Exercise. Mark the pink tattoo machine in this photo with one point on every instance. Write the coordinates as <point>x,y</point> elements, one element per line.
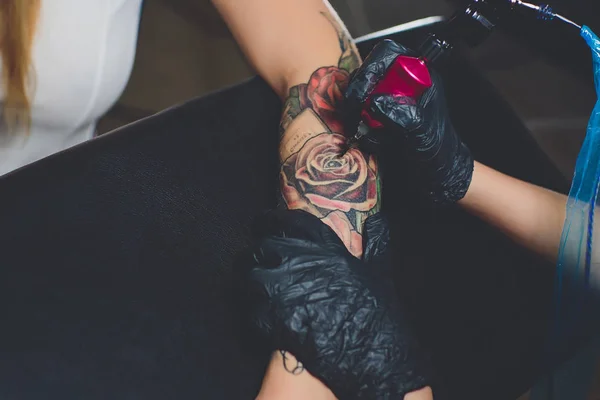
<point>409,76</point>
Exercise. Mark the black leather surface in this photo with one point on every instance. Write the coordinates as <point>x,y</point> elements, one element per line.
<point>115,258</point>
<point>116,254</point>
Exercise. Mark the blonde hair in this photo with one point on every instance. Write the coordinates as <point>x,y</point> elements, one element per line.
<point>18,19</point>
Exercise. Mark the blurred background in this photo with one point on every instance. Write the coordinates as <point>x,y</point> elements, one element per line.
<point>186,51</point>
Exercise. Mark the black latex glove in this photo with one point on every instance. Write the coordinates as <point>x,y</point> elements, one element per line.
<point>419,130</point>
<point>336,314</point>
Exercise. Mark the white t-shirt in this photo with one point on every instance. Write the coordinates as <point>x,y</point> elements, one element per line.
<point>82,57</point>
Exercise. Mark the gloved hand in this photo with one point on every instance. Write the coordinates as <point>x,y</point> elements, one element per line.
<point>419,129</point>
<point>335,313</point>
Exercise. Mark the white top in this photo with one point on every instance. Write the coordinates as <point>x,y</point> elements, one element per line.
<point>82,58</point>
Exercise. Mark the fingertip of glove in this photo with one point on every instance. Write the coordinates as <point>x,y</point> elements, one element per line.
<point>392,46</point>
<point>376,231</point>
<point>268,255</point>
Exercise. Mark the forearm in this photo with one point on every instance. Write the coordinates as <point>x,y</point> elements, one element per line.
<point>285,40</point>
<point>306,55</point>
<point>288,42</point>
<point>341,190</point>
<point>530,215</point>
<point>279,384</point>
<point>286,379</point>
<point>318,173</point>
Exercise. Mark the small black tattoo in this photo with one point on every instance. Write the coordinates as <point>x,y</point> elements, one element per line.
<point>297,370</point>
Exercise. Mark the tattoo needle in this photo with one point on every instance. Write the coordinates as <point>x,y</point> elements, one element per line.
<point>362,130</point>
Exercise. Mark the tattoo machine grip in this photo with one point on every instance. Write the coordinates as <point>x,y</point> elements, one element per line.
<point>406,77</point>
<point>409,76</point>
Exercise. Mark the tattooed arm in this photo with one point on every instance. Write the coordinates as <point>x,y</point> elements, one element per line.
<point>303,51</point>
<point>342,190</point>
<point>306,55</point>
<point>286,379</point>
<point>285,40</point>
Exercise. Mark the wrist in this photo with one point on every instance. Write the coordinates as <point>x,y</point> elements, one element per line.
<point>455,180</point>
<point>288,381</point>
<point>473,196</point>
<point>422,394</point>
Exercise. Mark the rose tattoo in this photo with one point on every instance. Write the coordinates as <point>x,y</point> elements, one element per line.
<point>341,190</point>
<point>324,93</point>
<point>320,181</point>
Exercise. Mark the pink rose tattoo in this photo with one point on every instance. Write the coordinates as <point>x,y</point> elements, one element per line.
<point>323,93</point>
<point>341,190</point>
<point>333,187</point>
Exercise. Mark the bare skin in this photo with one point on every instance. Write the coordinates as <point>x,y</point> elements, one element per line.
<point>530,215</point>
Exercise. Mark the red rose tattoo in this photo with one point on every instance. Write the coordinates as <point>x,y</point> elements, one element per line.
<point>325,93</point>
<point>333,187</point>
<point>341,190</point>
